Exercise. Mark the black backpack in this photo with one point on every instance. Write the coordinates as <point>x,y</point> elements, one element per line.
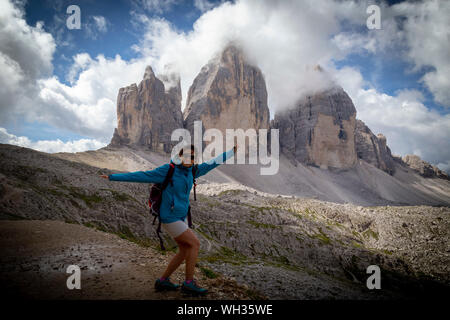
<point>155,198</point>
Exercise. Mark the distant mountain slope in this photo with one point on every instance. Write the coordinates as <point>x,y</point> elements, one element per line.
<point>364,184</point>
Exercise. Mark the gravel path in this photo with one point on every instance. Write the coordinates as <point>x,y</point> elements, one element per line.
<point>35,256</point>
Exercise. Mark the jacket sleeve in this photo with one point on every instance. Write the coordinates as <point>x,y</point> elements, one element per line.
<point>153,176</point>
<point>207,166</point>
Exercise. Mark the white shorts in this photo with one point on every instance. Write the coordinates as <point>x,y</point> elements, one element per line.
<point>174,229</point>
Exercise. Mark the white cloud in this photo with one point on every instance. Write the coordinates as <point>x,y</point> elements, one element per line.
<point>203,5</point>
<point>409,126</point>
<point>28,92</point>
<point>157,6</point>
<point>25,55</point>
<point>427,34</point>
<point>50,146</point>
<point>418,32</point>
<point>444,166</point>
<point>88,106</point>
<point>100,23</point>
<point>349,42</point>
<point>282,38</point>
<point>95,26</point>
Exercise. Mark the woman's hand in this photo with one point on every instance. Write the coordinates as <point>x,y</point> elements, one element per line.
<point>235,148</point>
<point>104,176</point>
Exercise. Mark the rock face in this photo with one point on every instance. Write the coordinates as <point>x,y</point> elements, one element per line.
<point>228,93</point>
<point>320,130</point>
<point>424,168</point>
<point>373,149</point>
<point>147,114</point>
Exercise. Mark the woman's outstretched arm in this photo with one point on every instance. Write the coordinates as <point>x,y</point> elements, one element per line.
<point>207,166</point>
<point>153,176</point>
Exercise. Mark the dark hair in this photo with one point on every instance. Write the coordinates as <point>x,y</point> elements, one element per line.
<point>192,150</point>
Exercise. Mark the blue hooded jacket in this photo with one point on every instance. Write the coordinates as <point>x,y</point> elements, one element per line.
<point>175,198</point>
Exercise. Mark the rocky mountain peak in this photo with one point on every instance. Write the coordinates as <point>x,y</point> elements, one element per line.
<point>147,114</point>
<point>149,74</point>
<point>424,168</point>
<point>319,130</point>
<point>373,149</point>
<point>228,93</point>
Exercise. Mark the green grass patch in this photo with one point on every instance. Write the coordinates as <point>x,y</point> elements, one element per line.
<point>126,234</point>
<point>279,261</point>
<point>25,173</point>
<point>262,225</point>
<point>201,230</point>
<point>119,196</point>
<point>89,199</point>
<point>12,216</point>
<point>256,209</point>
<point>356,234</point>
<point>356,244</point>
<point>370,233</point>
<point>226,255</point>
<point>208,273</point>
<point>229,192</point>
<point>56,192</point>
<point>324,239</point>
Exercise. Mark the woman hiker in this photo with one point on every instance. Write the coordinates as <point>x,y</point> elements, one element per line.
<point>173,212</point>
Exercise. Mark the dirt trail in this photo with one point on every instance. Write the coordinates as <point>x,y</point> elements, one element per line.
<point>35,256</point>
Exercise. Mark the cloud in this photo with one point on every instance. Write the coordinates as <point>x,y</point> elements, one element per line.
<point>100,23</point>
<point>444,166</point>
<point>50,146</point>
<point>29,92</point>
<point>95,26</point>
<point>203,5</point>
<point>417,32</point>
<point>156,6</point>
<point>283,38</point>
<point>88,105</point>
<point>427,34</point>
<point>25,55</point>
<point>409,126</point>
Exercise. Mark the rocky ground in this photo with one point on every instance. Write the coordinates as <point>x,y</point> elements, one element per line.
<point>35,256</point>
<point>290,247</point>
<point>284,247</point>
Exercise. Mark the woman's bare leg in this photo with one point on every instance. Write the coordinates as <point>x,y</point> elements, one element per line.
<point>176,260</point>
<point>190,240</point>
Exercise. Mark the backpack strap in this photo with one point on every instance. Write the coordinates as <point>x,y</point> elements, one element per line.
<point>168,176</point>
<point>194,172</point>
<point>163,186</point>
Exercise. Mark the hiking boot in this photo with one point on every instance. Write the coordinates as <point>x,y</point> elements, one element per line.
<point>192,288</point>
<point>165,285</point>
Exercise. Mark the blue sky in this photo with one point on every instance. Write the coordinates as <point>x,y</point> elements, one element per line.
<point>391,68</point>
<point>119,38</point>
